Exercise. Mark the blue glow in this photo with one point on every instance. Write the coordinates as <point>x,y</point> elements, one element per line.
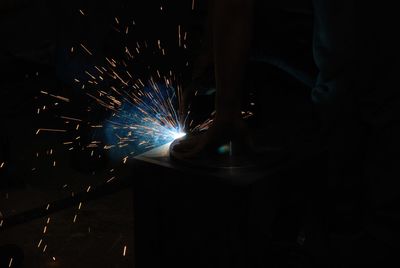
<point>145,120</point>
<point>224,149</point>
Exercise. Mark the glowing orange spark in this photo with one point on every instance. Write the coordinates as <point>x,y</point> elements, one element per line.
<point>49,130</point>
<point>87,50</point>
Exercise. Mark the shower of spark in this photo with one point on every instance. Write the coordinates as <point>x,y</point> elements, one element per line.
<point>144,111</point>
<point>145,119</point>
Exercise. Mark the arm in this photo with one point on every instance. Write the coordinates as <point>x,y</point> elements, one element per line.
<point>232,34</point>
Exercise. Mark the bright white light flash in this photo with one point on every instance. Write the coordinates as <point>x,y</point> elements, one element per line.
<point>178,135</point>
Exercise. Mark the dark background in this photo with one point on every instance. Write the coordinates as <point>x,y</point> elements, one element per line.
<point>35,54</point>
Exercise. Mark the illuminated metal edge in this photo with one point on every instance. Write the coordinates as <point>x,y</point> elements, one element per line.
<point>215,162</point>
<point>160,156</point>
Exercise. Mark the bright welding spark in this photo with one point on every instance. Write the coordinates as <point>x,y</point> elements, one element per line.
<point>144,112</point>
<point>87,50</point>
<point>110,179</point>
<point>71,118</point>
<point>49,130</point>
<point>54,96</point>
<point>179,135</point>
<point>179,36</point>
<point>146,117</point>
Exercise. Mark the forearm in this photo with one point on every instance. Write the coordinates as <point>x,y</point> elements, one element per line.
<point>232,38</point>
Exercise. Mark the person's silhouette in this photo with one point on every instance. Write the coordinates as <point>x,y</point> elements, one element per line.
<point>357,59</point>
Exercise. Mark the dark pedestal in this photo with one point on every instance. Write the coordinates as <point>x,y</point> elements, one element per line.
<point>195,218</point>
